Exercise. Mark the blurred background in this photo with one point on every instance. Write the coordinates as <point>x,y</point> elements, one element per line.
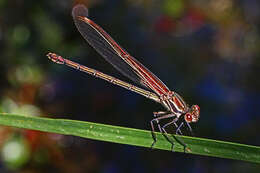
<point>206,50</point>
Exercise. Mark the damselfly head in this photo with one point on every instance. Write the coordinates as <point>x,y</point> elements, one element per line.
<point>193,114</point>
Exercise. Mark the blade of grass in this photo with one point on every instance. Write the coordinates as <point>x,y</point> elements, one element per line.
<point>122,135</point>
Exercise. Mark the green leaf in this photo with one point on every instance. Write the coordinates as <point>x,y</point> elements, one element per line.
<point>122,135</point>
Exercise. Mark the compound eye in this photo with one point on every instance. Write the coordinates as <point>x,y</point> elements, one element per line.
<point>196,108</point>
<point>188,117</point>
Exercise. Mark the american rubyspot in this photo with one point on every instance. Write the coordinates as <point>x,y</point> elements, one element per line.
<point>130,67</point>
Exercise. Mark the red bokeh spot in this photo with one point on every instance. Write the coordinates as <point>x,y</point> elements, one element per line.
<point>164,24</point>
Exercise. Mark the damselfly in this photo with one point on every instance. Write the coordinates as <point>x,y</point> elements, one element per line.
<point>176,108</point>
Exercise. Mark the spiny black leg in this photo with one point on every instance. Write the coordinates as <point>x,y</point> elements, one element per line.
<point>167,124</point>
<point>178,140</point>
<point>160,113</point>
<point>189,127</point>
<point>179,128</point>
<point>181,142</point>
<point>153,131</point>
<point>165,134</point>
<point>156,120</point>
<point>174,122</point>
<point>163,131</point>
<point>153,134</point>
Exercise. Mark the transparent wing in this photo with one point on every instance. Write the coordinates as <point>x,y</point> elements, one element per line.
<point>113,53</point>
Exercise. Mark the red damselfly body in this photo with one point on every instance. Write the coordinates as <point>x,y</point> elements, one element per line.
<point>176,108</point>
